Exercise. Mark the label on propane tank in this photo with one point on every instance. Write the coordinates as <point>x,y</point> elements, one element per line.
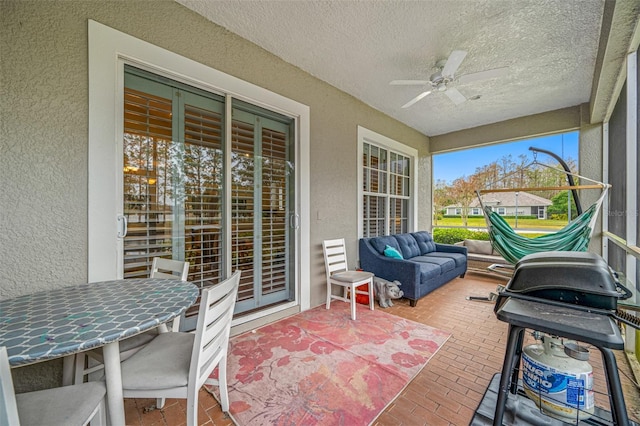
<point>563,387</point>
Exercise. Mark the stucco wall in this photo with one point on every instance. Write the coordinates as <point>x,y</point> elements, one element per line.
<point>44,162</point>
<point>44,110</point>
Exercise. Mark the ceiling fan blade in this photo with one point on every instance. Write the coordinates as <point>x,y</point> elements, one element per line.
<point>483,75</point>
<point>455,96</point>
<point>416,99</point>
<point>409,82</point>
<point>454,61</point>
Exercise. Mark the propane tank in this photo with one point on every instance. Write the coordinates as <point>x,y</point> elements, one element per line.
<point>558,378</point>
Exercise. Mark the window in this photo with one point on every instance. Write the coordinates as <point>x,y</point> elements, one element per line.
<point>458,211</point>
<point>386,185</point>
<point>475,211</point>
<point>501,211</point>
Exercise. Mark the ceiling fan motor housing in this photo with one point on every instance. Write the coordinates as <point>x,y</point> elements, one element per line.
<point>436,78</point>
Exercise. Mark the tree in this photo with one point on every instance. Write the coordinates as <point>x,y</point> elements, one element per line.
<point>559,205</point>
<point>463,191</point>
<point>441,198</point>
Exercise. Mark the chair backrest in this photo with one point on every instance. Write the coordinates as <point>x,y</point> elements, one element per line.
<point>168,268</point>
<point>335,256</point>
<point>8,405</point>
<point>212,332</point>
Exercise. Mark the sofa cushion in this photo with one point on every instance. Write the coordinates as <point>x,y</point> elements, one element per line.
<point>425,242</point>
<point>392,253</point>
<point>408,245</point>
<point>380,243</point>
<point>478,246</point>
<point>445,264</point>
<point>428,272</point>
<point>459,258</point>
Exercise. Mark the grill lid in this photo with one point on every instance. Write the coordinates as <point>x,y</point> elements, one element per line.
<point>578,278</point>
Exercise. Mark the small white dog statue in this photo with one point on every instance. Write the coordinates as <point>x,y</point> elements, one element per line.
<point>386,290</point>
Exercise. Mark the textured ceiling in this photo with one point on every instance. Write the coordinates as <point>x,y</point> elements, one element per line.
<point>549,46</point>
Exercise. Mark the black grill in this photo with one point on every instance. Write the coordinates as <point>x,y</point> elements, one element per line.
<point>577,280</point>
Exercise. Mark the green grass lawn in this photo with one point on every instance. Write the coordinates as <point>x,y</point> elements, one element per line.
<point>478,222</point>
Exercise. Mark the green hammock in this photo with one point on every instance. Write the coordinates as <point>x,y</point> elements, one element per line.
<point>573,237</point>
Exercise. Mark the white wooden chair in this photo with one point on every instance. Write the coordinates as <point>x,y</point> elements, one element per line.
<point>68,405</point>
<point>91,361</point>
<point>171,269</point>
<point>176,365</point>
<point>338,273</point>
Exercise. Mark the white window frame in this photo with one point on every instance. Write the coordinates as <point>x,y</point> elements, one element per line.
<point>109,50</point>
<point>475,211</point>
<point>501,211</point>
<point>368,136</point>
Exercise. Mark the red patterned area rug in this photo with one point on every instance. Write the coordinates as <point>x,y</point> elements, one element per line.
<point>321,368</point>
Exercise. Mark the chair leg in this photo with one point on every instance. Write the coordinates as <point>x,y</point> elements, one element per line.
<point>371,295</point>
<point>68,363</point>
<point>80,366</point>
<point>328,295</point>
<point>353,301</point>
<point>192,408</point>
<point>222,384</point>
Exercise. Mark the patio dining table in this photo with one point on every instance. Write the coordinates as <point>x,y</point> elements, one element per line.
<point>60,322</point>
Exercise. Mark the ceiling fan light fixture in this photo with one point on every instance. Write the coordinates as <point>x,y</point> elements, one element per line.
<point>441,87</point>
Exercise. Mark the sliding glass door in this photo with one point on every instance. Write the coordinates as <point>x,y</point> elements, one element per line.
<point>183,175</point>
<point>262,210</point>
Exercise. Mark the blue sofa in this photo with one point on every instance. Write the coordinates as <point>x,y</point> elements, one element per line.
<point>425,266</point>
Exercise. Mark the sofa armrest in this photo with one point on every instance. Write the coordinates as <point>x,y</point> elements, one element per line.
<point>451,248</point>
<point>407,272</point>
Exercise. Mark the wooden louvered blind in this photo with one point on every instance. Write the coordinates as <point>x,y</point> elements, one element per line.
<point>242,205</point>
<point>274,210</point>
<point>386,191</point>
<point>375,188</point>
<point>203,174</point>
<point>161,174</point>
<point>148,194</point>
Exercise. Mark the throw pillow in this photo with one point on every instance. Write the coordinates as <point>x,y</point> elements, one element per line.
<point>392,253</point>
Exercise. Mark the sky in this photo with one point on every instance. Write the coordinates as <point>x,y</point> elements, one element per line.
<point>452,165</point>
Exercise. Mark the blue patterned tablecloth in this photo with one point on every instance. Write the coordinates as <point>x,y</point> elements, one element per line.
<point>50,324</point>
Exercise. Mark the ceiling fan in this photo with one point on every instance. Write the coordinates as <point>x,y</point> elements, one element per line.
<point>445,75</point>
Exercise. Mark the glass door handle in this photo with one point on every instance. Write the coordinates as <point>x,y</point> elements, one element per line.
<point>294,221</point>
<point>122,226</point>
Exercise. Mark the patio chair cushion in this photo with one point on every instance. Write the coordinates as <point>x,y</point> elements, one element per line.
<point>172,351</point>
<point>351,276</point>
<point>68,405</point>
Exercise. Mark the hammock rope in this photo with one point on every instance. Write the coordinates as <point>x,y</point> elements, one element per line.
<point>573,237</point>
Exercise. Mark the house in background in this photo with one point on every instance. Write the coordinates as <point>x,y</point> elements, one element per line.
<point>507,204</point>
